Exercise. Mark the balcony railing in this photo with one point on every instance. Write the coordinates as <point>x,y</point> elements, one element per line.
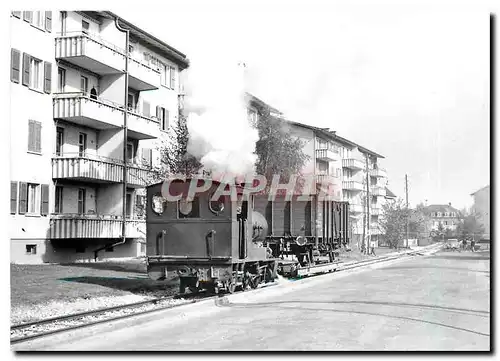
<point>142,76</point>
<point>326,179</point>
<point>378,191</point>
<point>68,226</point>
<point>352,186</point>
<point>326,155</point>
<point>353,164</point>
<point>92,168</point>
<point>375,211</point>
<point>379,173</point>
<point>100,113</point>
<point>356,208</point>
<point>90,52</point>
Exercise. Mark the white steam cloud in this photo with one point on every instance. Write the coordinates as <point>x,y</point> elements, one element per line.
<point>220,135</point>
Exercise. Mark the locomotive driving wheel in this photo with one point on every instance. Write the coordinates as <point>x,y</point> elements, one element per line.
<point>254,281</point>
<point>231,286</point>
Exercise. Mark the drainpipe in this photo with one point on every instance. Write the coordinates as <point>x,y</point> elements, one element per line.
<point>125,131</point>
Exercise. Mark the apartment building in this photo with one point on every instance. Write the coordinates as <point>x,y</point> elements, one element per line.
<point>76,77</point>
<point>481,207</point>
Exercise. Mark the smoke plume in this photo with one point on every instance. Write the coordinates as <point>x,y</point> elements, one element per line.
<point>220,135</point>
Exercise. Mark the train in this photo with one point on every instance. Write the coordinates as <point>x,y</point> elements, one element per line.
<point>240,241</point>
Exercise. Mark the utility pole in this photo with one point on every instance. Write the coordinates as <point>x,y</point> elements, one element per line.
<point>368,220</point>
<point>407,211</point>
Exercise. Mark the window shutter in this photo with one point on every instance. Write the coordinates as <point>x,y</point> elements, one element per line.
<point>47,85</point>
<point>23,197</point>
<point>15,58</point>
<point>48,21</point>
<point>172,78</point>
<point>13,197</point>
<point>44,210</point>
<point>17,14</point>
<point>38,137</point>
<point>146,111</point>
<point>28,16</point>
<point>167,119</point>
<point>26,69</point>
<point>31,136</point>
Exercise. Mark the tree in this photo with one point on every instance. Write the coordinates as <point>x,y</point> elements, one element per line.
<point>470,226</point>
<point>278,153</point>
<point>420,222</point>
<point>174,157</point>
<point>393,222</point>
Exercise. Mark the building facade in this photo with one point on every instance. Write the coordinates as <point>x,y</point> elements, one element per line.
<point>443,216</point>
<point>481,208</point>
<point>75,80</point>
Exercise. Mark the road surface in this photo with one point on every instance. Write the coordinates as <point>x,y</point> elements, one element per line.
<point>438,302</point>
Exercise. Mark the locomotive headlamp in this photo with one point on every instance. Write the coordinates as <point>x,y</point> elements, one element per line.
<point>216,206</point>
<point>301,240</point>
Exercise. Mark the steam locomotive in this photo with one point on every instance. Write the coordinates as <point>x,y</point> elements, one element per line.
<point>237,241</point>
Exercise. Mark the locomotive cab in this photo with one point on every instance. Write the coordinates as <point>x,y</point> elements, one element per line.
<point>207,239</point>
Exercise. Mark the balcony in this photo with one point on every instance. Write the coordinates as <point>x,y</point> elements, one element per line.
<point>353,164</point>
<point>327,155</point>
<point>142,76</point>
<point>66,226</point>
<point>378,191</point>
<point>375,211</point>
<point>375,229</point>
<point>97,170</point>
<point>81,109</point>
<point>379,173</point>
<point>90,52</point>
<point>356,208</point>
<point>326,179</point>
<point>142,127</point>
<point>352,186</point>
<point>100,113</point>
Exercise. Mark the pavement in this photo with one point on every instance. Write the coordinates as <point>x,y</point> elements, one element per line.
<point>417,303</point>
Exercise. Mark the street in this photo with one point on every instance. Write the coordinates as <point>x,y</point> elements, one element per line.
<point>438,302</point>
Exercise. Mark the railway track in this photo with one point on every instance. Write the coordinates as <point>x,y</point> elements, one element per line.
<point>37,329</point>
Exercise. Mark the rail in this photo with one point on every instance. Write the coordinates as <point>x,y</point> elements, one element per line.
<point>86,319</point>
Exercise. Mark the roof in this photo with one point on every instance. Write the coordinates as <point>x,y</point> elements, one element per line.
<point>479,190</point>
<point>259,103</point>
<point>162,47</point>
<point>441,208</point>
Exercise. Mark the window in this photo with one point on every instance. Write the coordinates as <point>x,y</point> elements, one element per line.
<point>82,144</point>
<point>31,249</point>
<point>39,19</point>
<point>61,80</point>
<point>64,15</point>
<point>34,136</point>
<point>189,209</point>
<point>85,27</point>
<point>165,75</point>
<point>130,152</point>
<point>130,49</point>
<point>147,155</point>
<point>36,73</point>
<point>33,198</point>
<point>81,200</point>
<point>128,205</point>
<point>58,204</point>
<point>84,84</point>
<point>131,101</point>
<point>163,117</point>
<point>59,140</point>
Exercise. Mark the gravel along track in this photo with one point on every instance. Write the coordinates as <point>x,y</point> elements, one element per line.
<point>32,330</point>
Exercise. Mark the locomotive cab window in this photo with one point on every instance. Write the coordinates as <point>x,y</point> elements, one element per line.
<point>158,204</point>
<point>216,206</point>
<point>189,209</point>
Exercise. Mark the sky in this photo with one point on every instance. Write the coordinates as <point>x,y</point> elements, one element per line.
<point>408,81</point>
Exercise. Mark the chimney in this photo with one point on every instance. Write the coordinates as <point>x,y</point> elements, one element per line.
<point>449,204</point>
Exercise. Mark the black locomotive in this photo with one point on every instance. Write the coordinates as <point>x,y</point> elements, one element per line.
<point>237,241</point>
